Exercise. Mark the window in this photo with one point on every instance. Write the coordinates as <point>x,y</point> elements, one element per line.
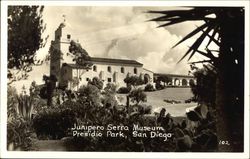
<point>101,75</point>
<point>122,69</point>
<point>68,36</point>
<point>135,70</point>
<point>109,79</point>
<point>87,79</point>
<point>109,69</point>
<point>115,76</point>
<point>94,68</point>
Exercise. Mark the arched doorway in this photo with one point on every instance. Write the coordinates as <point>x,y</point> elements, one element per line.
<point>184,82</point>
<point>191,82</point>
<point>146,78</point>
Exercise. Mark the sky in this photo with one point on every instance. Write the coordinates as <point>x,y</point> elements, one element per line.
<point>119,32</point>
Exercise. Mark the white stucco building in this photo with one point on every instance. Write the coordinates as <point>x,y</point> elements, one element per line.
<point>72,75</point>
<point>106,69</point>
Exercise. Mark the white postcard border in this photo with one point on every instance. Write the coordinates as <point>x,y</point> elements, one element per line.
<point>49,154</point>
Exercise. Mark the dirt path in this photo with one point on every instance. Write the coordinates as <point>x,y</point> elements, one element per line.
<point>49,145</point>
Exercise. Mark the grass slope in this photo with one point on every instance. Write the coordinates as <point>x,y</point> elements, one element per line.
<point>155,99</point>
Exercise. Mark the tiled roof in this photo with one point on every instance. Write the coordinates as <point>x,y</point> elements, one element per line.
<point>148,70</point>
<point>115,61</point>
<point>76,66</point>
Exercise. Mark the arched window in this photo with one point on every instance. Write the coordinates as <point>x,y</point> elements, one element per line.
<point>135,70</point>
<point>109,69</point>
<point>146,78</point>
<point>191,82</point>
<point>94,68</point>
<point>184,82</point>
<point>122,69</point>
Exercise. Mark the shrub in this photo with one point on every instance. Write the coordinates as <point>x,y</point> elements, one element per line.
<point>143,109</point>
<point>149,88</point>
<point>137,95</point>
<point>90,93</point>
<point>25,106</point>
<point>96,82</point>
<point>19,132</point>
<point>11,102</point>
<point>123,90</point>
<point>109,98</point>
<point>53,123</point>
<point>147,109</point>
<point>133,81</point>
<point>159,86</point>
<point>110,88</point>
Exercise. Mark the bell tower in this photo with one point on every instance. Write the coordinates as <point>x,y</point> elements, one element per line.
<point>56,53</point>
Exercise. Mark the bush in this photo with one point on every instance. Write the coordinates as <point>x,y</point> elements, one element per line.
<point>53,123</point>
<point>148,109</point>
<point>90,93</point>
<point>110,88</point>
<point>149,88</point>
<point>109,98</point>
<point>19,132</point>
<point>133,81</point>
<point>96,82</point>
<point>143,109</point>
<point>137,95</point>
<point>123,90</point>
<point>159,86</point>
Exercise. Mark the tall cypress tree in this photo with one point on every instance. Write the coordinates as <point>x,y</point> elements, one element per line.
<point>25,28</point>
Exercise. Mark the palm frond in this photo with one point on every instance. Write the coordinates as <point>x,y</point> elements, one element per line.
<point>196,13</point>
<point>204,61</point>
<point>171,22</point>
<point>208,54</point>
<point>212,37</point>
<point>197,30</point>
<point>197,43</point>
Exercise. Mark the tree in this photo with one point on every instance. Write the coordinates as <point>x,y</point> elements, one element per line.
<point>164,78</point>
<point>137,95</point>
<point>110,88</point>
<point>204,89</point>
<point>109,95</point>
<point>47,91</point>
<point>25,28</point>
<point>133,81</point>
<point>96,82</point>
<point>90,94</point>
<point>81,55</point>
<point>223,26</point>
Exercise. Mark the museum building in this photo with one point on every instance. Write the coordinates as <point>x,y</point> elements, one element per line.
<point>72,75</point>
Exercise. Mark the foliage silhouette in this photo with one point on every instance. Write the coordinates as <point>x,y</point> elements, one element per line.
<point>223,26</point>
<point>25,29</point>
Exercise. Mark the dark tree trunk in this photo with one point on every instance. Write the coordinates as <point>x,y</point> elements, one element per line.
<point>230,86</point>
<point>222,117</point>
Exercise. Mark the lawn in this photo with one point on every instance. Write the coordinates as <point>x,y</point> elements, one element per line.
<point>156,100</point>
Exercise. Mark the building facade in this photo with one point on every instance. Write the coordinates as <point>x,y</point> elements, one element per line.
<point>108,70</point>
<point>72,75</point>
<point>177,80</point>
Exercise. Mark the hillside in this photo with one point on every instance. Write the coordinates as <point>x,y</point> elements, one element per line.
<point>179,94</point>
